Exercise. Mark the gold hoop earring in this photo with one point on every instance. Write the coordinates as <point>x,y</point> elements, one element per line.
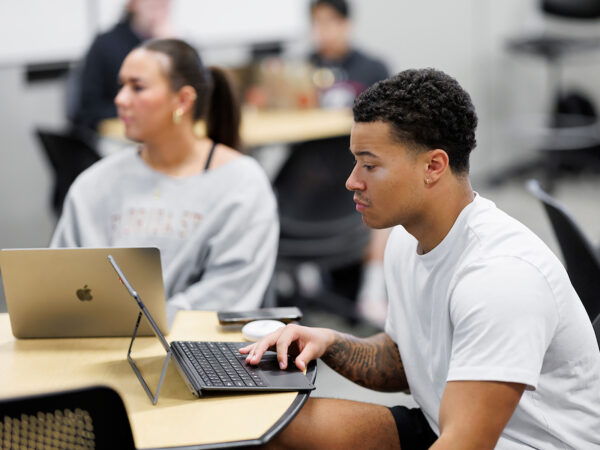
<point>177,115</point>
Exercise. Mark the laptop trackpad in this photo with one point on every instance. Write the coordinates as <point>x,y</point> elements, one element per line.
<point>291,378</point>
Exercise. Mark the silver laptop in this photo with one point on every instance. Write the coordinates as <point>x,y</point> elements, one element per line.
<point>73,292</point>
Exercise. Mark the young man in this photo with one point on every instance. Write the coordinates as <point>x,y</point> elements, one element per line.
<point>483,325</point>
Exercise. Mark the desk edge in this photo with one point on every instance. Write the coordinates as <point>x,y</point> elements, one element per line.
<point>278,426</point>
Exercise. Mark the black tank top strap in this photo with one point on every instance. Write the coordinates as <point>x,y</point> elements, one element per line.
<point>210,155</point>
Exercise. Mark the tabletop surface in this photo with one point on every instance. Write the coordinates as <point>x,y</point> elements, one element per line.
<point>272,126</point>
<point>43,365</point>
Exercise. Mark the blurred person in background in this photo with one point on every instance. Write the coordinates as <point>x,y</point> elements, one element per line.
<point>345,71</point>
<point>95,83</point>
<point>208,208</point>
<point>342,73</point>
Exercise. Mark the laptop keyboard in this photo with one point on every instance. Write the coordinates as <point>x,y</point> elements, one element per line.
<point>218,365</point>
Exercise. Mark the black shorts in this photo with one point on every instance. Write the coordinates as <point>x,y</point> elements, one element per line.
<point>413,428</point>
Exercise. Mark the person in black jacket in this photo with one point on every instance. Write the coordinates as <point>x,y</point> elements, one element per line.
<point>96,84</point>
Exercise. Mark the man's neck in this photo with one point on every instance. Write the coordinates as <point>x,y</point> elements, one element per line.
<point>335,55</point>
<point>139,30</point>
<point>444,207</point>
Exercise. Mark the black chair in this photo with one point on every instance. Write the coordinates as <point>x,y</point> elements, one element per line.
<point>571,141</point>
<point>581,258</point>
<point>69,152</point>
<point>93,417</point>
<point>320,228</point>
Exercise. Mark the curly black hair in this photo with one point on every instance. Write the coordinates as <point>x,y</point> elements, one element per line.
<point>426,109</point>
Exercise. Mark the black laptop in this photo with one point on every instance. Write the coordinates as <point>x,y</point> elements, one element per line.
<point>214,366</point>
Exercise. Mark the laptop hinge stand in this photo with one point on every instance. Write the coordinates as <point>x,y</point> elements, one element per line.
<point>153,397</point>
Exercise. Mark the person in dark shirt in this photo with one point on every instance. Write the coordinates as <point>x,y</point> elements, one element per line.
<point>96,84</point>
<point>346,71</point>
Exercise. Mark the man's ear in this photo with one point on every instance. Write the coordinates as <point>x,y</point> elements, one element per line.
<point>437,163</point>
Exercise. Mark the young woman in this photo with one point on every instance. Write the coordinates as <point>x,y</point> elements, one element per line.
<point>208,208</point>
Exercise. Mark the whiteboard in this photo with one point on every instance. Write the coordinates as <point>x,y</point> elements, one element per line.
<point>33,31</point>
<point>240,22</point>
<point>42,31</point>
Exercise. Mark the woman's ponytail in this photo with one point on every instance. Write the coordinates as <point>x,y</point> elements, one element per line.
<point>223,114</point>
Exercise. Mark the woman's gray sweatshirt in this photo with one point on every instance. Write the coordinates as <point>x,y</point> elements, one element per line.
<point>217,231</point>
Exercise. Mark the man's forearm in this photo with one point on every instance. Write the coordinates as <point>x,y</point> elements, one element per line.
<point>372,362</point>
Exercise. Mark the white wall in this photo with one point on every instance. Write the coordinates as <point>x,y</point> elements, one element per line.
<point>465,38</point>
<point>25,178</point>
<point>40,30</point>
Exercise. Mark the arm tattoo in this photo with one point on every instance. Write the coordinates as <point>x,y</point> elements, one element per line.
<point>373,362</point>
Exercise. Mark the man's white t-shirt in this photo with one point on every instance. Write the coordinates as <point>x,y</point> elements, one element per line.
<point>492,302</point>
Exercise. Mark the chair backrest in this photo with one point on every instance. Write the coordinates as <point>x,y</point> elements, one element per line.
<point>581,260</point>
<point>572,9</point>
<point>318,219</point>
<point>93,417</point>
<point>69,153</point>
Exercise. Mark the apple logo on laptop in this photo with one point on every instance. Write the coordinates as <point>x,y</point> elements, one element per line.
<point>84,294</point>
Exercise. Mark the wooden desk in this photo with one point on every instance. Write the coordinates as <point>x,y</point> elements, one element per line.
<point>260,128</point>
<point>179,419</point>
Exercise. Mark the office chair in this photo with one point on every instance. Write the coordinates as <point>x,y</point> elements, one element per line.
<point>92,417</point>
<point>69,152</point>
<point>572,136</point>
<point>321,232</point>
<point>581,258</point>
